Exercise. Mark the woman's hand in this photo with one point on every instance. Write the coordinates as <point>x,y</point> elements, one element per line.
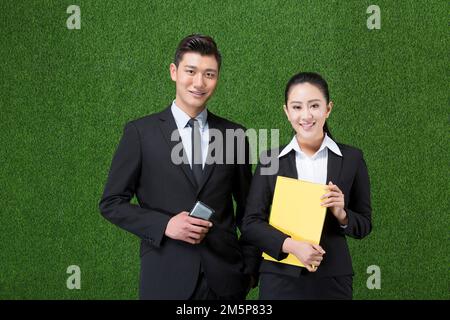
<point>334,199</point>
<point>310,255</point>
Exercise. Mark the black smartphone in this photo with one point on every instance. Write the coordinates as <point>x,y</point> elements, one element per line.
<point>202,211</point>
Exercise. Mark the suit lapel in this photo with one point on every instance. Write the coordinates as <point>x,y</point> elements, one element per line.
<point>334,167</point>
<point>168,126</point>
<point>288,164</point>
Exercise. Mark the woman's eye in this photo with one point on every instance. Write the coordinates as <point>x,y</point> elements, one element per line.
<point>315,106</point>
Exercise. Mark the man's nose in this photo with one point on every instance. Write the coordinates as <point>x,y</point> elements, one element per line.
<point>199,81</point>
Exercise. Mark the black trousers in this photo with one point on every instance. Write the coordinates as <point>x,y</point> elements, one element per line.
<point>281,287</point>
<point>203,291</point>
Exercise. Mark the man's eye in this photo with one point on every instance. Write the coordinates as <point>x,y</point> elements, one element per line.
<point>210,75</point>
<point>190,71</point>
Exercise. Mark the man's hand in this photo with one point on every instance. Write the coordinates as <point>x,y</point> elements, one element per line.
<point>185,228</point>
<point>310,255</point>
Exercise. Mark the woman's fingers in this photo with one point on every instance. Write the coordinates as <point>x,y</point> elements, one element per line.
<point>333,203</point>
<point>311,268</point>
<point>332,187</point>
<point>331,194</point>
<point>318,248</point>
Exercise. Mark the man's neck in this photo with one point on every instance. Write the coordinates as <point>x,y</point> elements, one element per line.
<point>191,112</point>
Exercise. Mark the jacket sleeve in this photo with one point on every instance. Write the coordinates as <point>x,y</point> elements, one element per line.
<point>241,185</point>
<point>255,227</point>
<point>359,209</point>
<point>120,188</point>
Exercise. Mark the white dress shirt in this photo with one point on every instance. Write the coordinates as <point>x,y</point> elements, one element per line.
<point>314,168</point>
<point>181,119</point>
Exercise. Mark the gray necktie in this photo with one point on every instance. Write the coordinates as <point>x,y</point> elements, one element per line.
<point>196,143</point>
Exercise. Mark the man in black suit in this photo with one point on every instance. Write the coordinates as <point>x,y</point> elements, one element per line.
<point>183,257</point>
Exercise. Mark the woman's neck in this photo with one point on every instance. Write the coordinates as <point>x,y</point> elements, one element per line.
<point>310,146</point>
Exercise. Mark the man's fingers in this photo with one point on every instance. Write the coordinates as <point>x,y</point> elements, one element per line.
<point>199,222</point>
<point>192,241</point>
<point>194,238</point>
<point>197,229</point>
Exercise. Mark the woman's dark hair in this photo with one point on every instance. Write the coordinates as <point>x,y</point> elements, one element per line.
<point>316,80</point>
<point>205,45</point>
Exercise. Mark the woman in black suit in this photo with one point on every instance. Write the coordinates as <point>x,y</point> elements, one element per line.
<point>312,155</point>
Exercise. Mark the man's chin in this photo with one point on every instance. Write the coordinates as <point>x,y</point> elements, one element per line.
<point>198,103</point>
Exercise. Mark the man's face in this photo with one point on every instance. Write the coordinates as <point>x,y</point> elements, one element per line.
<point>196,79</point>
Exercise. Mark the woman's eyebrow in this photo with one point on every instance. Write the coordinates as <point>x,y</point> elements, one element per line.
<point>299,102</point>
<point>314,100</point>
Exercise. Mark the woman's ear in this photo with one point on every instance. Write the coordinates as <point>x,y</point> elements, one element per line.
<point>329,108</point>
<point>286,111</point>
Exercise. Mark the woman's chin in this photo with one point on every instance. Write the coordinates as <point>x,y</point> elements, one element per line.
<point>307,135</point>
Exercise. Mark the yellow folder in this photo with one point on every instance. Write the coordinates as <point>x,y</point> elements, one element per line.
<point>296,211</point>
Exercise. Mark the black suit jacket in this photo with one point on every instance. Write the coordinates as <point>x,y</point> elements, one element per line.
<point>349,173</point>
<point>142,166</point>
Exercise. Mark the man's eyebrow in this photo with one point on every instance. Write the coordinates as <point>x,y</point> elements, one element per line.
<point>194,67</point>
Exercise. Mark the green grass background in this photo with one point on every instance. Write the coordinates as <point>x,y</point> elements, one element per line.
<point>66,95</point>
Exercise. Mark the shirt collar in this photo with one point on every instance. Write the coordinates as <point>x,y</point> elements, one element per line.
<point>182,118</point>
<point>326,143</point>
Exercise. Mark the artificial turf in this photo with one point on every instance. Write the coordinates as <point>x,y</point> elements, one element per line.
<point>66,95</point>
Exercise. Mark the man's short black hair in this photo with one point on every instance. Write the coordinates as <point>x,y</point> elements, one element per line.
<point>205,45</point>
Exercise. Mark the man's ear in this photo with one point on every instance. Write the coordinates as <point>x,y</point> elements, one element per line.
<point>173,71</point>
<point>329,108</point>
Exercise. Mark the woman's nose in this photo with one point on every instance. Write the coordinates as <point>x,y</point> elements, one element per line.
<point>306,114</point>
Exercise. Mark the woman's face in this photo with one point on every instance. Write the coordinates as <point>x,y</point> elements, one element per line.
<point>307,111</point>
